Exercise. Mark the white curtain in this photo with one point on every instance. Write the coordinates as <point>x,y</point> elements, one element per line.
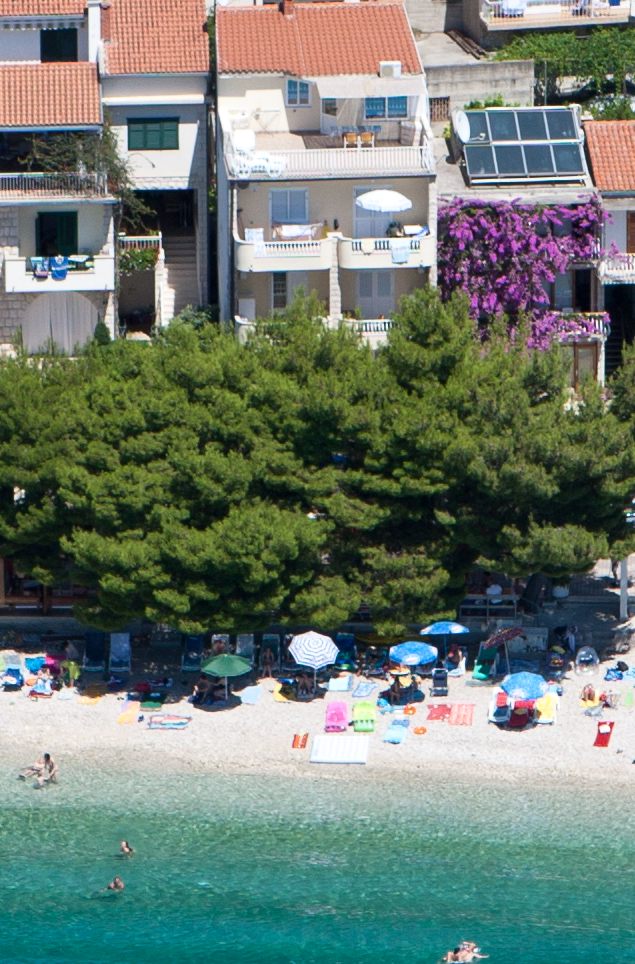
<point>68,319</point>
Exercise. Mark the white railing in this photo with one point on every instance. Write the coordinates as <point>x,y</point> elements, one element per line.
<point>384,244</point>
<point>57,185</point>
<point>333,162</point>
<point>139,242</point>
<point>529,13</point>
<point>617,269</point>
<point>282,255</point>
<point>369,326</point>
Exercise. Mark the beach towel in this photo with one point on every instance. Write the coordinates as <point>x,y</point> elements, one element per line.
<point>283,693</point>
<point>130,712</point>
<point>34,663</point>
<point>628,699</point>
<point>340,684</point>
<point>89,700</point>
<point>67,693</point>
<point>396,732</point>
<point>363,689</point>
<point>168,721</point>
<point>400,250</point>
<point>152,705</point>
<point>461,714</point>
<point>604,733</point>
<point>251,695</point>
<point>439,712</point>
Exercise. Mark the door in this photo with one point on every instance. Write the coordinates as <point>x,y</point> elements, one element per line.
<point>375,293</point>
<point>369,224</point>
<point>56,233</point>
<point>630,232</point>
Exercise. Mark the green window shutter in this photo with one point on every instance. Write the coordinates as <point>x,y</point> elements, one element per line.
<point>153,134</point>
<point>136,135</point>
<point>170,135</point>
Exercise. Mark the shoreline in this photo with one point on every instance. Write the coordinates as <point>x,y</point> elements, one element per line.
<point>248,740</point>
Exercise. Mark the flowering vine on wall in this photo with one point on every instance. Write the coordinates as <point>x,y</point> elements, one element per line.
<point>504,253</point>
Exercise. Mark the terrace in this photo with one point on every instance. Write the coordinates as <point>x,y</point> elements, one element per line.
<point>538,14</point>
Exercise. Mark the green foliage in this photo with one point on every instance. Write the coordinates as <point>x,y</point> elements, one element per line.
<point>603,58</point>
<point>97,153</point>
<point>137,259</point>
<point>101,335</point>
<point>496,100</point>
<point>612,108</point>
<point>203,483</point>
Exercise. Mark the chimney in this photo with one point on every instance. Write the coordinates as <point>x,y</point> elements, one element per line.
<point>286,8</point>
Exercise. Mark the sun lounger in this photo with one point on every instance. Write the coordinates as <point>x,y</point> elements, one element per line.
<point>12,678</point>
<point>546,708</point>
<point>95,653</point>
<point>192,655</point>
<point>336,719</point>
<point>120,653</point>
<point>364,715</point>
<point>484,666</point>
<point>339,748</point>
<point>245,646</point>
<point>341,684</point>
<point>439,682</point>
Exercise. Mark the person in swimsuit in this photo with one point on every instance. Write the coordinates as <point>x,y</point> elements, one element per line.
<point>116,884</point>
<point>125,849</point>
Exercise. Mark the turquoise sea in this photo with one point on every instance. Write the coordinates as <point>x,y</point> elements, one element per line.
<point>321,868</point>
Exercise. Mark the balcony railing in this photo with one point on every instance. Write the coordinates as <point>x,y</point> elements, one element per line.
<point>527,14</point>
<point>282,255</point>
<point>617,269</point>
<point>19,276</point>
<point>140,242</point>
<point>19,186</point>
<point>374,253</point>
<point>329,163</point>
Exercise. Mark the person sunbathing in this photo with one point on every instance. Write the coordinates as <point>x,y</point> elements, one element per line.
<point>588,693</point>
<point>305,685</point>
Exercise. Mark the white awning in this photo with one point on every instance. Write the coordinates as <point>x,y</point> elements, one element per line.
<point>358,86</point>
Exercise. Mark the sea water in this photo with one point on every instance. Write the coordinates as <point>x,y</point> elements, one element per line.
<point>329,866</point>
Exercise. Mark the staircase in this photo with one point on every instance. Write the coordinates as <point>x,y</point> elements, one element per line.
<point>180,284</point>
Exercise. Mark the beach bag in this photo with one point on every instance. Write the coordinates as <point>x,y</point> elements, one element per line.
<point>623,667</point>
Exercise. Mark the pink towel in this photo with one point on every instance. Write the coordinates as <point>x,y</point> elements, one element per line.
<point>461,714</point>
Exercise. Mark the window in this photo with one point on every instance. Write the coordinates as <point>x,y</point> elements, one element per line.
<point>153,134</point>
<point>278,290</point>
<point>297,93</point>
<point>439,108</point>
<point>392,107</point>
<point>289,206</point>
<point>56,233</point>
<point>58,45</point>
<point>329,106</point>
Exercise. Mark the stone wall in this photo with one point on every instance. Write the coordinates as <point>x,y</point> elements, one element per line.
<point>432,16</point>
<point>512,79</point>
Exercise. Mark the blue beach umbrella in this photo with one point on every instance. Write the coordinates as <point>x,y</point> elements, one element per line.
<point>525,686</point>
<point>445,628</point>
<point>413,653</point>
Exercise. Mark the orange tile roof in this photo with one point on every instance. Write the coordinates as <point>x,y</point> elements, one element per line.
<point>611,149</point>
<point>49,95</point>
<point>157,37</point>
<point>41,8</point>
<point>316,39</point>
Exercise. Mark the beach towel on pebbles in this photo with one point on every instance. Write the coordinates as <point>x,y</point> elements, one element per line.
<point>461,714</point>
<point>363,689</point>
<point>251,695</point>
<point>439,711</point>
<point>340,684</point>
<point>396,732</point>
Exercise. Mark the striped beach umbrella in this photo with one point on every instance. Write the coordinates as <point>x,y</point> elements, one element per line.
<point>313,650</point>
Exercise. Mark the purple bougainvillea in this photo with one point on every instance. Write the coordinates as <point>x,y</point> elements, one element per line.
<point>503,254</point>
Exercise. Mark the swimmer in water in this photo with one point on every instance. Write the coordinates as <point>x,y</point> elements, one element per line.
<point>125,849</point>
<point>116,884</point>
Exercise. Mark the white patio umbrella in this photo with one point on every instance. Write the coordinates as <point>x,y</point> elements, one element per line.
<point>313,650</point>
<point>388,202</point>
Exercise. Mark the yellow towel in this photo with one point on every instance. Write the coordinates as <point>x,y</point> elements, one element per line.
<point>89,700</point>
<point>130,714</point>
<point>589,704</point>
<point>283,693</point>
<point>547,705</point>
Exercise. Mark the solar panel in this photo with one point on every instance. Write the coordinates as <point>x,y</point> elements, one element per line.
<point>524,144</point>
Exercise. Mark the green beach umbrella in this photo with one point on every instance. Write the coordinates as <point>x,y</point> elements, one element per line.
<point>226,665</point>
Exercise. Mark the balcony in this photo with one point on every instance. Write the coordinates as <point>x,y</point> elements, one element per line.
<point>373,253</point>
<point>374,331</point>
<point>288,157</point>
<point>39,186</point>
<point>19,275</point>
<point>617,269</point>
<point>538,14</point>
<point>309,255</point>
